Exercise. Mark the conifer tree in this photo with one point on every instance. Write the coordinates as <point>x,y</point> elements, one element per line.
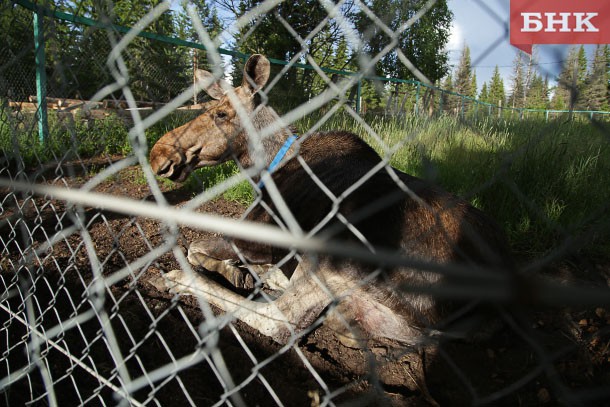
<point>473,85</point>
<point>516,99</point>
<point>484,95</point>
<point>423,43</point>
<point>463,79</point>
<point>448,100</point>
<point>538,93</point>
<point>463,76</point>
<point>596,83</point>
<point>570,82</point>
<point>582,66</point>
<point>497,95</point>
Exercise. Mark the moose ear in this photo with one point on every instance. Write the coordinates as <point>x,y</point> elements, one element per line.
<point>216,88</point>
<point>256,73</point>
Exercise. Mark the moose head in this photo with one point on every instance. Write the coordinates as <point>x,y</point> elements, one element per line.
<point>220,133</point>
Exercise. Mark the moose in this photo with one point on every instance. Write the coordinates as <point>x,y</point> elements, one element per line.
<point>336,188</point>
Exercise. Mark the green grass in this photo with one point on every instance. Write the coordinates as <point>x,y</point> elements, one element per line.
<point>73,137</point>
<point>68,138</point>
<point>207,177</point>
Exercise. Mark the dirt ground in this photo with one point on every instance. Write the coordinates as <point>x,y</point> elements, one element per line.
<point>550,357</point>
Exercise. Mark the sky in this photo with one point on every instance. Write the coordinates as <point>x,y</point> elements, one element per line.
<point>483,26</point>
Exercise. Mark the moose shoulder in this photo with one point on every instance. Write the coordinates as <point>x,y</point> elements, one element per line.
<point>337,187</point>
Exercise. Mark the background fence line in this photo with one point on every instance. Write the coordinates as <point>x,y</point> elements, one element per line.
<point>40,11</point>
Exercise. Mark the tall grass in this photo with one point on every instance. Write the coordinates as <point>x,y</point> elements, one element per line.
<point>71,137</point>
<point>68,138</point>
<point>546,183</point>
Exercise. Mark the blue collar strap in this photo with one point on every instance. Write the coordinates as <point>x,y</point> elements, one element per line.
<point>279,156</point>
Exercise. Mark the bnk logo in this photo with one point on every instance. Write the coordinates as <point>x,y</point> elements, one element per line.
<point>559,22</point>
<point>564,22</point>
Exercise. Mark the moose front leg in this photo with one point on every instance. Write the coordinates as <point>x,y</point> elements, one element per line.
<point>216,254</point>
<point>296,309</point>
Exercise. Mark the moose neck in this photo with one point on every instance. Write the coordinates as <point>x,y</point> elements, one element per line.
<point>272,144</point>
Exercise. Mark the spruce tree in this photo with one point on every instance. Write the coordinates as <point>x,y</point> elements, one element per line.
<point>582,66</point>
<point>497,95</point>
<point>463,76</point>
<point>484,95</point>
<point>463,80</point>
<point>596,83</point>
<point>518,82</point>
<point>570,82</point>
<point>473,85</point>
<point>538,93</point>
<point>448,100</point>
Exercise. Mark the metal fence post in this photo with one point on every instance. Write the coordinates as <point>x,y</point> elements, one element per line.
<point>462,108</point>
<point>358,95</point>
<point>476,109</point>
<point>417,98</point>
<point>440,102</point>
<point>41,76</point>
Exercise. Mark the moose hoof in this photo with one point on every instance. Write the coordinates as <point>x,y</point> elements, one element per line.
<point>227,268</point>
<point>349,336</point>
<point>272,277</point>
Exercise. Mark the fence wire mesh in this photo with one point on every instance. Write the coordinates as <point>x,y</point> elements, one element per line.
<point>92,238</point>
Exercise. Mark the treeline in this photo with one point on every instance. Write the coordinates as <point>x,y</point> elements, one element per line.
<point>300,30</point>
<point>581,85</point>
<point>77,55</point>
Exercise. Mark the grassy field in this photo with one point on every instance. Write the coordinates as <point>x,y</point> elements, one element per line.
<point>547,184</point>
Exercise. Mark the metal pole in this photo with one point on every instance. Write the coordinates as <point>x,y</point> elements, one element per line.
<point>440,102</point>
<point>462,109</point>
<point>417,99</point>
<point>358,95</point>
<point>41,76</point>
<point>195,67</point>
<point>476,110</point>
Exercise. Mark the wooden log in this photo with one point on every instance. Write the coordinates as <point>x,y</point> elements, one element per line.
<point>65,103</point>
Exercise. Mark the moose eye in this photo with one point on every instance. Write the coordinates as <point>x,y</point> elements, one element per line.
<point>221,115</point>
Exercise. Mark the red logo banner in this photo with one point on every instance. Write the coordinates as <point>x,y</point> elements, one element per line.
<point>559,22</point>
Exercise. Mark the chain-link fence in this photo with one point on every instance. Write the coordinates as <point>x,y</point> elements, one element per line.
<point>307,271</point>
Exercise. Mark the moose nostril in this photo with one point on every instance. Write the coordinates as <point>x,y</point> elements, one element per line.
<point>164,169</point>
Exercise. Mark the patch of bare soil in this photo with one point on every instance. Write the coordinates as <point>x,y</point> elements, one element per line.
<point>548,357</point>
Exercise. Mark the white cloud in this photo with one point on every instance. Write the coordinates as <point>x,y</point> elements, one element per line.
<point>456,39</point>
